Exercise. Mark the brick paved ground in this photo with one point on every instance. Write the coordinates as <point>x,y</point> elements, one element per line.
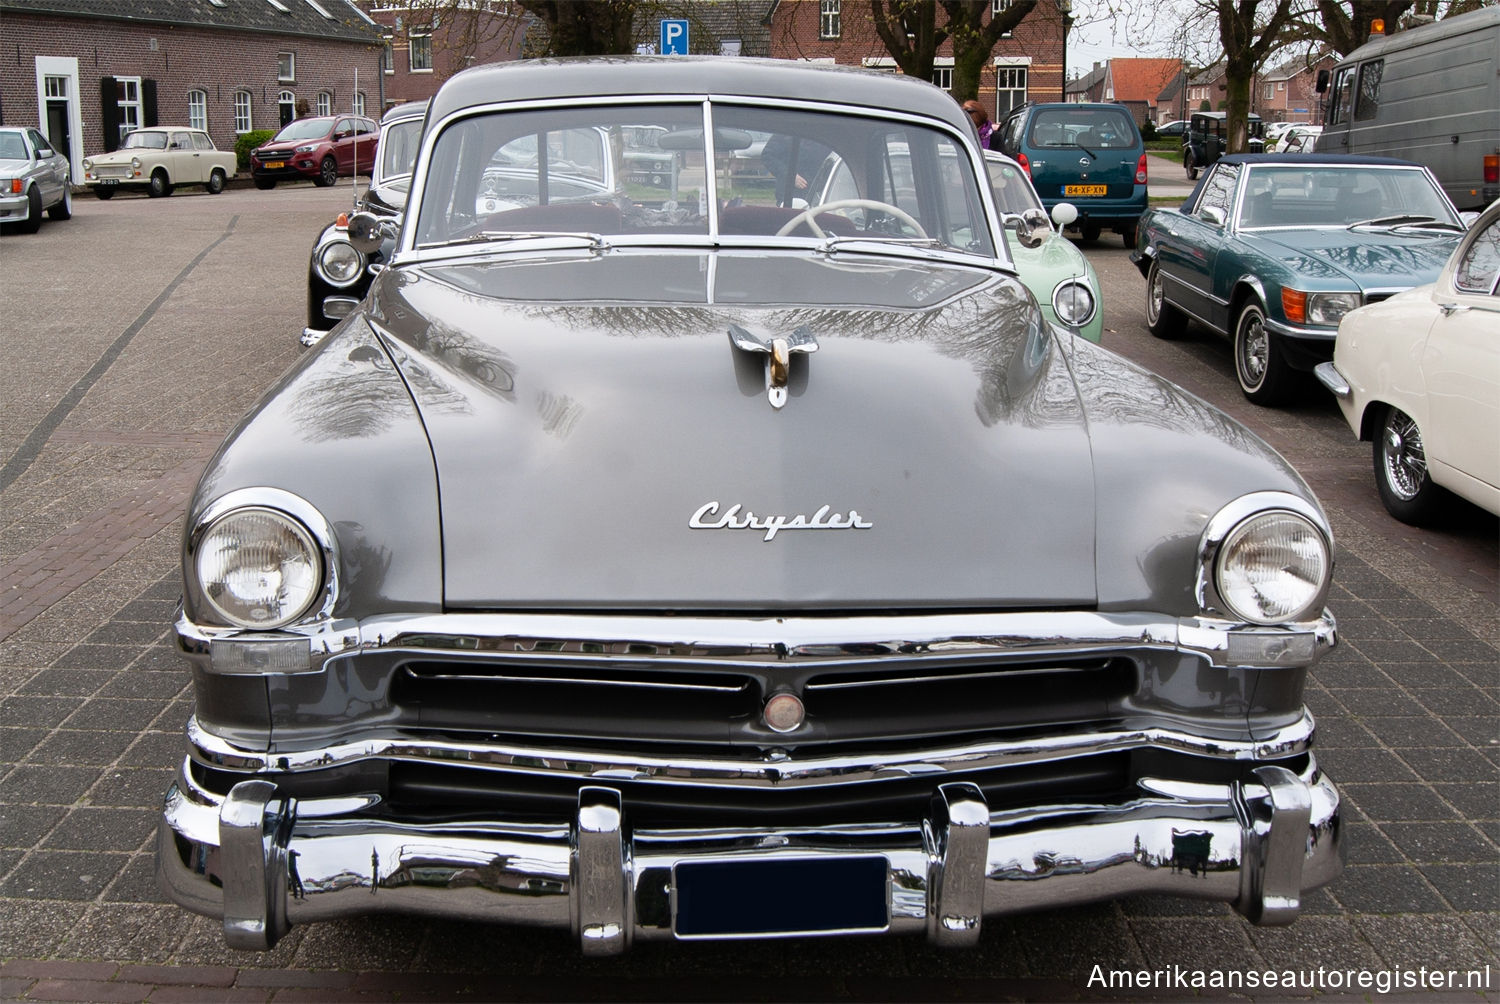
<point>92,701</point>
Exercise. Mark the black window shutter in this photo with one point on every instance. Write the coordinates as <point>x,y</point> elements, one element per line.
<point>109,117</point>
<point>148,102</point>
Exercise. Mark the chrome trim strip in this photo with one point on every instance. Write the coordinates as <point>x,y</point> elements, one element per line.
<point>1329,376</point>
<point>776,768</point>
<point>772,641</point>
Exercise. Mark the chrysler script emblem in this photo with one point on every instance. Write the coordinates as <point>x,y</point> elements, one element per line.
<point>778,353</point>
<point>736,517</point>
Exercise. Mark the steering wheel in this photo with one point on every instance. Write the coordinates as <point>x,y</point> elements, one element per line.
<point>807,215</point>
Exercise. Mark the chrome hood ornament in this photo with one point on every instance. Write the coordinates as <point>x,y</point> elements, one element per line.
<point>778,352</point>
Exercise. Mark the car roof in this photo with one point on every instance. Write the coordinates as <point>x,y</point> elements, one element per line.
<point>1305,159</point>
<point>592,76</point>
<point>406,110</point>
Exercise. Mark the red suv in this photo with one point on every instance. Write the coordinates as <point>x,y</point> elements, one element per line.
<point>321,148</point>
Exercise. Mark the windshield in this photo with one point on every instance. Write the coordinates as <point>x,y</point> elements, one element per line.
<point>398,147</point>
<point>1336,196</point>
<point>304,129</point>
<point>642,170</point>
<point>141,140</point>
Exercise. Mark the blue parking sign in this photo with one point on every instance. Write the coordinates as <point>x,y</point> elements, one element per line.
<point>674,37</point>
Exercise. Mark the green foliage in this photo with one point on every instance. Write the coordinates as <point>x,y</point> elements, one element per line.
<point>247,141</point>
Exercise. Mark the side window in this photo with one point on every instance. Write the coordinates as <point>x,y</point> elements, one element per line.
<point>43,148</point>
<point>1218,190</point>
<point>1479,268</point>
<point>1341,101</point>
<point>1368,103</point>
<point>202,142</point>
<point>182,141</point>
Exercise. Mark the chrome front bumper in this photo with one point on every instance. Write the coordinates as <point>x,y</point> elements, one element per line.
<point>262,861</point>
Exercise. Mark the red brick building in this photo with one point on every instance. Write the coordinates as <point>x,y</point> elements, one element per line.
<point>87,72</point>
<point>427,41</point>
<point>1027,65</point>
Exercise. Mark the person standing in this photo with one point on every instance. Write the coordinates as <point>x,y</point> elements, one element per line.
<point>981,120</point>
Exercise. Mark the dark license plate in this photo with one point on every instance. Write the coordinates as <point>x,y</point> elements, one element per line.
<point>780,896</point>
<point>109,182</point>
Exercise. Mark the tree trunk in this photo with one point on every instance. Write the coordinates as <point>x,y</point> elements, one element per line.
<point>1237,104</point>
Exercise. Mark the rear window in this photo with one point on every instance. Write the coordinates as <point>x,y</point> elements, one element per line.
<point>1090,128</point>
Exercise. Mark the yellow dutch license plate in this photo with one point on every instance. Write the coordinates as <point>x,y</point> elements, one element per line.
<point>282,163</point>
<point>1085,189</point>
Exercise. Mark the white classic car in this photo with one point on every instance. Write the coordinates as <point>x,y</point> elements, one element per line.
<point>159,159</point>
<point>1419,376</point>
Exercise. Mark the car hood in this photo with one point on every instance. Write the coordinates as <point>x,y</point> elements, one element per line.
<point>1371,259</point>
<point>13,166</point>
<point>600,440</point>
<point>123,156</point>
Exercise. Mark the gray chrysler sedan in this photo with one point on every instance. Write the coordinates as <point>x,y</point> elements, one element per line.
<point>676,559</point>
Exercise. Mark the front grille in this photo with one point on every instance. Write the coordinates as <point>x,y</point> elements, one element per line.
<point>612,702</point>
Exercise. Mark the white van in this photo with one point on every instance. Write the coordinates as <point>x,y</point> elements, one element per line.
<point>1428,94</point>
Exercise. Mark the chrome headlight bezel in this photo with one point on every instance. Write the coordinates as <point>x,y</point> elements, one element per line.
<point>1065,298</point>
<point>326,271</point>
<point>305,524</point>
<point>1230,528</point>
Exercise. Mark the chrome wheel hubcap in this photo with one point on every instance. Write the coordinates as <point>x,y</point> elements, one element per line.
<point>1404,459</point>
<point>1255,350</point>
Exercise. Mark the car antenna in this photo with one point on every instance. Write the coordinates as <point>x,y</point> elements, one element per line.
<point>354,173</point>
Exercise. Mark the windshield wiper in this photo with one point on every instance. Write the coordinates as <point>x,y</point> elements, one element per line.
<point>1400,219</point>
<point>588,240</point>
<point>880,245</point>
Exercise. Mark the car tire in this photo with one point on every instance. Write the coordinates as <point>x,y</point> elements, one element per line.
<point>1401,475</point>
<point>1162,319</point>
<point>104,194</point>
<point>64,209</point>
<point>265,184</point>
<point>215,182</point>
<point>1190,167</point>
<point>33,221</point>
<point>159,187</point>
<point>1262,370</point>
<point>1128,235</point>
<point>328,173</point>
<point>1090,231</point>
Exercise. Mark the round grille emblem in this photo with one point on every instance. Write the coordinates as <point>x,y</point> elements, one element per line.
<point>784,713</point>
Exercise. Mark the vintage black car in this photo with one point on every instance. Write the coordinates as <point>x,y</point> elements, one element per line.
<point>668,563</point>
<point>1207,139</point>
<point>337,275</point>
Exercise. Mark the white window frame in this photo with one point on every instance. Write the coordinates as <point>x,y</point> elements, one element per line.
<point>359,103</point>
<point>244,111</point>
<point>942,77</point>
<point>286,67</point>
<point>283,99</point>
<point>411,53</point>
<point>325,103</point>
<point>128,101</point>
<point>197,102</point>
<point>1006,70</point>
<point>830,19</point>
<point>388,56</point>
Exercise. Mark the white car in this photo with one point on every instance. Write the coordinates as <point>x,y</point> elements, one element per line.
<point>157,160</point>
<point>1419,375</point>
<point>33,178</point>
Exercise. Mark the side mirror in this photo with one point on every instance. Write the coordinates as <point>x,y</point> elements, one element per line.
<point>1063,214</point>
<point>1210,214</point>
<point>1031,226</point>
<point>367,232</point>
<point>1322,85</point>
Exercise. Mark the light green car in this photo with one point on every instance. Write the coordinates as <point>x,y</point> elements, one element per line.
<point>1056,272</point>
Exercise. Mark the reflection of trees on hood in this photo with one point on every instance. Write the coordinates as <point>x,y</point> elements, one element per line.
<point>994,326</point>
<point>1117,392</point>
<point>350,392</point>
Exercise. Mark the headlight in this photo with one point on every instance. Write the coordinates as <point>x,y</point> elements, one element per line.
<point>1317,308</point>
<point>88,165</point>
<point>1273,567</point>
<point>1074,303</point>
<point>1328,308</point>
<point>338,263</point>
<point>258,568</point>
<point>135,162</point>
<point>308,148</point>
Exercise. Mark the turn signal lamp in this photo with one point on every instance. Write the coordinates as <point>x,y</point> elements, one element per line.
<point>342,222</point>
<point>1140,171</point>
<point>1492,168</point>
<point>1377,26</point>
<point>15,186</point>
<point>1294,305</point>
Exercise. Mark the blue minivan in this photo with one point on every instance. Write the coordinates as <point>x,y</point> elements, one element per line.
<point>1090,155</point>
